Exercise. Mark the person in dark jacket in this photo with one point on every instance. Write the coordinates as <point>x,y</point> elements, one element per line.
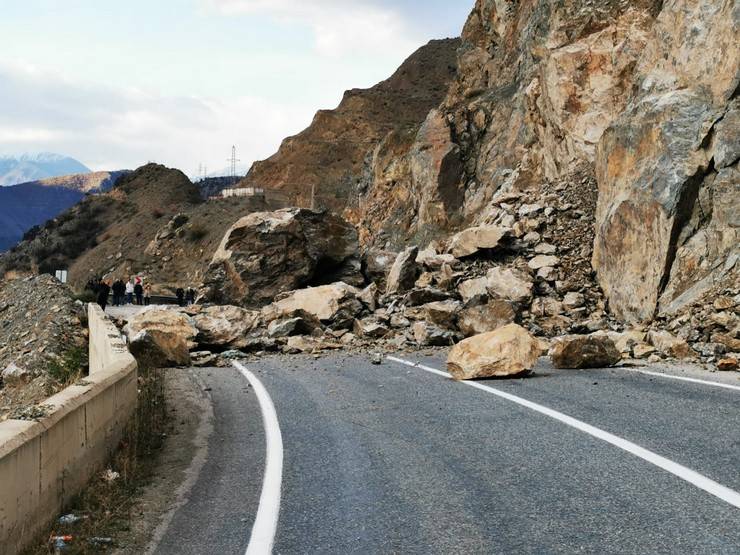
<point>180,294</point>
<point>103,292</point>
<point>190,296</point>
<point>119,292</point>
<point>139,292</point>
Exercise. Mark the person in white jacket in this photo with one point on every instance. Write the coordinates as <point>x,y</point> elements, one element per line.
<point>129,292</point>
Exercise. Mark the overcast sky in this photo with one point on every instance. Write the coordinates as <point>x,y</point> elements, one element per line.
<point>117,84</point>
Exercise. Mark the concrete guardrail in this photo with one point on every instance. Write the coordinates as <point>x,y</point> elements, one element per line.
<point>44,463</point>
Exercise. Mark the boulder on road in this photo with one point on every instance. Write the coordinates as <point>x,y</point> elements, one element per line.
<point>336,304</point>
<point>584,351</point>
<point>476,239</point>
<point>402,275</point>
<point>225,326</point>
<point>507,351</point>
<point>163,337</point>
<point>268,253</point>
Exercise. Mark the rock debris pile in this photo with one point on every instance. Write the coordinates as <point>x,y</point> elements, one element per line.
<point>41,337</point>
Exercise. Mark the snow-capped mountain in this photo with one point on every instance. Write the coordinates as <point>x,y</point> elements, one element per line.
<point>33,167</point>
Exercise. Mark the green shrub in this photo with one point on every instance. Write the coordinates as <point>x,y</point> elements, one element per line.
<point>70,367</point>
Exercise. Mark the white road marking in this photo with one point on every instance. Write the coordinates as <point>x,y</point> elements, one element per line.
<point>702,482</point>
<point>265,523</point>
<point>682,378</point>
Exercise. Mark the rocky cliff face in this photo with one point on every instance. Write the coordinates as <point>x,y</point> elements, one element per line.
<point>635,98</point>
<point>329,156</point>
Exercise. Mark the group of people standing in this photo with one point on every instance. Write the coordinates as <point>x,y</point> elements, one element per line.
<point>185,298</point>
<point>131,291</point>
<point>124,292</point>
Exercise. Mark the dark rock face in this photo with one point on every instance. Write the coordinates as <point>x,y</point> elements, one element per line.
<point>268,253</point>
<point>584,351</point>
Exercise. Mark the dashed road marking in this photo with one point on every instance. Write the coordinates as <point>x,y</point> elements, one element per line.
<point>700,481</point>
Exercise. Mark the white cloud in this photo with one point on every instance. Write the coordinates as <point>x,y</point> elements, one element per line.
<point>340,27</point>
<point>108,128</point>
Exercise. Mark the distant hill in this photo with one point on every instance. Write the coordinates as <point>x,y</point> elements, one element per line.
<point>33,167</point>
<point>29,204</point>
<point>153,222</point>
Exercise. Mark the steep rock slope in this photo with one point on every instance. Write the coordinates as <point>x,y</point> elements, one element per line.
<point>329,156</point>
<point>635,98</point>
<point>29,204</point>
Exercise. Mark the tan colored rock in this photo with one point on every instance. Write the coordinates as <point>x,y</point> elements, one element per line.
<point>225,326</point>
<point>670,345</point>
<point>546,306</point>
<point>573,300</point>
<point>442,313</point>
<point>642,350</point>
<point>542,261</point>
<point>473,289</point>
<point>627,339</point>
<point>732,343</point>
<point>369,327</point>
<point>434,261</point>
<point>15,375</point>
<point>335,304</point>
<point>403,273</point>
<point>306,344</point>
<point>164,336</point>
<point>545,248</point>
<point>555,325</point>
<point>508,351</point>
<point>727,364</point>
<point>369,297</point>
<point>476,320</point>
<point>584,351</point>
<point>476,239</point>
<point>548,273</point>
<point>510,284</point>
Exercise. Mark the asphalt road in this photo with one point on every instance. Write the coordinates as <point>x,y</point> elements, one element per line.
<point>393,459</point>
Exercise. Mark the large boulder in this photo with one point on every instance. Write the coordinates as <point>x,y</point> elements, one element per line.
<point>268,253</point>
<point>507,351</point>
<point>476,239</point>
<point>161,337</point>
<point>402,275</point>
<point>335,305</point>
<point>666,220</point>
<point>476,320</point>
<point>225,326</point>
<point>584,351</point>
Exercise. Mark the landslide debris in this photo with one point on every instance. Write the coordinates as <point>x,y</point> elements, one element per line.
<point>43,342</point>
